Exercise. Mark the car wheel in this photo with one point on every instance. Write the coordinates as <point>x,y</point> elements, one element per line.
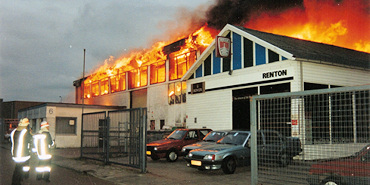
<point>331,181</point>
<point>154,157</point>
<point>172,156</point>
<point>283,160</point>
<point>228,165</point>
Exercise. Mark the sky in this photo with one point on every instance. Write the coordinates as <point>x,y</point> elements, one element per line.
<point>42,42</point>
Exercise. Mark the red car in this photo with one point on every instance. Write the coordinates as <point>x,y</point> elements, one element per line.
<point>344,171</point>
<point>171,146</point>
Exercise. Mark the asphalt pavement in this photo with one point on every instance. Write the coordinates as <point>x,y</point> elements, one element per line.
<point>158,172</point>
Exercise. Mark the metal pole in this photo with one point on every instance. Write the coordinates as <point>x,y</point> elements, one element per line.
<point>83,102</point>
<point>83,83</point>
<point>354,117</point>
<point>254,165</point>
<point>143,133</point>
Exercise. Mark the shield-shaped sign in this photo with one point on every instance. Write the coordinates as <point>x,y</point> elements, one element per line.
<point>223,47</point>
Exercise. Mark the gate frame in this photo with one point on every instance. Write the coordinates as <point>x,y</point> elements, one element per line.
<point>253,116</point>
<point>142,121</point>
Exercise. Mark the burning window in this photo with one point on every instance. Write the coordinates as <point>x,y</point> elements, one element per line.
<point>122,81</point>
<point>87,90</point>
<point>183,92</point>
<point>95,89</point>
<point>118,82</point>
<point>180,64</point>
<point>138,77</point>
<point>158,72</point>
<point>176,93</point>
<point>114,83</point>
<point>171,93</point>
<point>104,88</point>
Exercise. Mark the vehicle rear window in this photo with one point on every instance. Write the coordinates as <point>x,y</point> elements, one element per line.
<point>235,138</point>
<point>177,134</point>
<point>214,136</point>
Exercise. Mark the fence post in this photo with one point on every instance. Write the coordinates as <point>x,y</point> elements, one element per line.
<point>143,128</point>
<point>107,146</point>
<point>82,135</point>
<point>253,118</point>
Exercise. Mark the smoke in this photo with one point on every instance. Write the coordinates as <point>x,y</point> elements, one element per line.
<point>238,12</point>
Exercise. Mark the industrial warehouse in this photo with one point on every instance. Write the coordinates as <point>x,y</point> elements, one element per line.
<point>198,87</point>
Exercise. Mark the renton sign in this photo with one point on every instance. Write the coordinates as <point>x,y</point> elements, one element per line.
<point>223,45</point>
<point>273,74</point>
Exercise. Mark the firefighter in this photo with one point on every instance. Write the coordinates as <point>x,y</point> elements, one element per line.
<point>43,143</point>
<point>21,142</point>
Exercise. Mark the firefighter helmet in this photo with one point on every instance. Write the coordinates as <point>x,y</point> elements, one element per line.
<point>24,122</point>
<point>44,124</point>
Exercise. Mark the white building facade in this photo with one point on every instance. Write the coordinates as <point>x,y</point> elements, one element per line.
<point>219,89</point>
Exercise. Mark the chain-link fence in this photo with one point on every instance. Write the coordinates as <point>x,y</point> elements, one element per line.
<point>311,137</point>
<point>117,138</point>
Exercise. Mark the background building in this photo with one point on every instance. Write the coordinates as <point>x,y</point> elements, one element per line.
<point>64,120</point>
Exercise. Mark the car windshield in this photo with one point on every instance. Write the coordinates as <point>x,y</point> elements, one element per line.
<point>214,136</point>
<point>234,138</point>
<point>177,134</point>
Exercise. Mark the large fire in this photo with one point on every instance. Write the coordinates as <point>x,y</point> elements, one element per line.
<point>344,24</point>
<point>136,64</point>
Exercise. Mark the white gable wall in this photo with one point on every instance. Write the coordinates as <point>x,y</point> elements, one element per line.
<point>334,75</point>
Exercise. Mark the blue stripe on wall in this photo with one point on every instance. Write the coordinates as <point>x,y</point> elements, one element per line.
<point>237,51</point>
<point>260,54</point>
<point>216,63</point>
<point>198,72</point>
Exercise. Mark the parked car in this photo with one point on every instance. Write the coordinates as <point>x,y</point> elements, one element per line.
<point>234,150</point>
<point>273,147</point>
<point>348,170</point>
<point>170,147</point>
<point>210,138</point>
<point>230,151</point>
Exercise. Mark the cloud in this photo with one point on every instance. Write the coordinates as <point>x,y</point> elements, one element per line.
<point>42,42</point>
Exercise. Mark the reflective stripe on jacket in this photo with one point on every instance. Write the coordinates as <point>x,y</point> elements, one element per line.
<point>21,141</point>
<point>42,143</point>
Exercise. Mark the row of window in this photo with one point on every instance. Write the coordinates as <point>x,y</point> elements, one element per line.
<point>245,53</point>
<point>179,64</point>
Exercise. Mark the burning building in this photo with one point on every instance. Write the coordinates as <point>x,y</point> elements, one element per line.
<point>150,78</point>
<point>180,81</point>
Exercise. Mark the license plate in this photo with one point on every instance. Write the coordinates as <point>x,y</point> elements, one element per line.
<point>196,163</point>
<point>148,153</point>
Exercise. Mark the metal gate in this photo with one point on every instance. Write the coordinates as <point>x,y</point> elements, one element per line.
<point>333,127</point>
<point>119,137</point>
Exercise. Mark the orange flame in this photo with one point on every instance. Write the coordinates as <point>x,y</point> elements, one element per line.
<point>198,40</point>
<point>345,24</point>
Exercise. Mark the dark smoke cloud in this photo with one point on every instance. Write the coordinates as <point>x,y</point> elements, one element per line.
<point>239,11</point>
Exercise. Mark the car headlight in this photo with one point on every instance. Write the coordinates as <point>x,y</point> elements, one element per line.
<point>209,157</point>
<point>190,155</point>
<point>183,149</point>
<point>155,148</point>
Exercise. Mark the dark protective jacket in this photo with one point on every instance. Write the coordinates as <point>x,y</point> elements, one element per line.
<point>43,143</point>
<point>21,143</point>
